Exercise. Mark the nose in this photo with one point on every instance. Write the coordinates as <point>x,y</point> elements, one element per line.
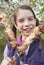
<point>26,23</point>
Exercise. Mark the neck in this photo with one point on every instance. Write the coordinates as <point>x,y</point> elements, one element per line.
<point>24,37</point>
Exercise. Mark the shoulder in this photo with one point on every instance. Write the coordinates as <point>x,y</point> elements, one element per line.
<point>43,44</point>
<point>18,39</point>
<point>41,47</point>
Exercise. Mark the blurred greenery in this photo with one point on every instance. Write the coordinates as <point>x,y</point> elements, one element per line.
<point>9,6</point>
<point>3,40</point>
<point>2,46</point>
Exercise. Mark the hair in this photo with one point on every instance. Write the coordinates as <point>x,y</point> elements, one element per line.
<point>26,7</point>
<point>14,30</point>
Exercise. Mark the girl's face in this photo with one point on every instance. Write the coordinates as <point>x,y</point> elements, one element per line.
<point>25,21</point>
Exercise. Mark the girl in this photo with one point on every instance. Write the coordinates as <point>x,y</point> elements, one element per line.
<point>25,22</point>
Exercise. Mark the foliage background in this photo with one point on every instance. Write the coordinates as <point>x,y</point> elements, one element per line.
<point>9,6</point>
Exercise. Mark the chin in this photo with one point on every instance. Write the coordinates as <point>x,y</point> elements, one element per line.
<point>27,34</point>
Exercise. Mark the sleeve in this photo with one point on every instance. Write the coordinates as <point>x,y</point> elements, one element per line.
<point>9,51</point>
<point>5,55</point>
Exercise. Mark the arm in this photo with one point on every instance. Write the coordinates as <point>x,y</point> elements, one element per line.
<point>8,60</point>
<point>6,52</point>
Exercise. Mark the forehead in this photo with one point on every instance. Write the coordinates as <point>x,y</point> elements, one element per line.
<point>24,13</point>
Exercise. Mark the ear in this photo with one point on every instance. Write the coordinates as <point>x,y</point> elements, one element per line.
<point>15,25</point>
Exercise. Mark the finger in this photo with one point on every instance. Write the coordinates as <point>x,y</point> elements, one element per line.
<point>9,64</point>
<point>25,64</point>
<point>5,62</point>
<point>21,63</point>
<point>14,59</point>
<point>9,59</point>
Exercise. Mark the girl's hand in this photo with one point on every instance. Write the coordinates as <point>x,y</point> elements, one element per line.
<point>9,61</point>
<point>21,63</point>
<point>6,61</point>
<point>13,61</point>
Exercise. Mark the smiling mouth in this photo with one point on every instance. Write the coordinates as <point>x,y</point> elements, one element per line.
<point>28,29</point>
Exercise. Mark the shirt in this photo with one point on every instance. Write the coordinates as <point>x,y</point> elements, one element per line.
<point>34,55</point>
<point>19,40</point>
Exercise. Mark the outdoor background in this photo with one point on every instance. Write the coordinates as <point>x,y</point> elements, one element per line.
<point>9,6</point>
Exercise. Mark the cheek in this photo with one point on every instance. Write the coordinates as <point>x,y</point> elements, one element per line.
<point>20,27</point>
<point>33,22</point>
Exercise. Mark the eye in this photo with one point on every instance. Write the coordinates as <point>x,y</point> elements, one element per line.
<point>30,19</point>
<point>21,20</point>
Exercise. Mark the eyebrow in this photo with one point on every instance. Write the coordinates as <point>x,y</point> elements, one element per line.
<point>20,18</point>
<point>27,17</point>
<point>31,17</point>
